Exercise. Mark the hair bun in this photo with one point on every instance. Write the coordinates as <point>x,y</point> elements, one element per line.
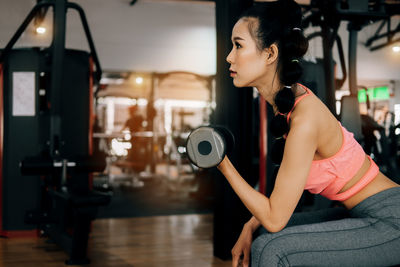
<point>291,72</point>
<point>295,44</point>
<point>279,126</point>
<point>284,100</point>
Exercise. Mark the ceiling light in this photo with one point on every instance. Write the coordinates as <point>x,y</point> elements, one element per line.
<point>40,30</point>
<point>396,48</point>
<point>139,80</point>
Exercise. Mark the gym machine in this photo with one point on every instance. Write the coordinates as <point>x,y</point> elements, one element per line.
<point>46,121</point>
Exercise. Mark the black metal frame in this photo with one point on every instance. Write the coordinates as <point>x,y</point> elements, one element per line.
<point>52,3</point>
<point>389,35</point>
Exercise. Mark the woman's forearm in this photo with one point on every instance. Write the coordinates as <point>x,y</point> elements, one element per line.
<point>253,224</point>
<point>256,203</point>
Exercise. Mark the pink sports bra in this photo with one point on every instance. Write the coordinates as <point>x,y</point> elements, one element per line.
<point>328,176</point>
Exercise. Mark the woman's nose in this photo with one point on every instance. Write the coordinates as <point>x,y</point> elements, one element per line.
<point>229,57</point>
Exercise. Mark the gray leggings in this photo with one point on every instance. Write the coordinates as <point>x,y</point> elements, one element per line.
<point>367,235</point>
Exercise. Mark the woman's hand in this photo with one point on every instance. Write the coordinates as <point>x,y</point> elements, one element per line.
<point>242,247</point>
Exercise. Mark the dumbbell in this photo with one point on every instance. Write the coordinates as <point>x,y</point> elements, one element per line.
<point>207,146</point>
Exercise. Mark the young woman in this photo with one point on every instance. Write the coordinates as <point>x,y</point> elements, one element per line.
<point>317,154</point>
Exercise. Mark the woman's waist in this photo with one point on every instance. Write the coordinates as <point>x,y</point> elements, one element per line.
<point>364,167</point>
<point>378,184</point>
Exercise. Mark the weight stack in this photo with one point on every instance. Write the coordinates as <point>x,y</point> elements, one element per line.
<point>25,94</point>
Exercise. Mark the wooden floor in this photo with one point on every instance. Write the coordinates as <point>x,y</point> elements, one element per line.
<point>178,240</point>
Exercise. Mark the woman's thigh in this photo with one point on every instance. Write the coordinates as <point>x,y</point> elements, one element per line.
<point>345,242</point>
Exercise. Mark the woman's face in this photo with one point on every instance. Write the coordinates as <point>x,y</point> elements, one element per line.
<point>248,64</point>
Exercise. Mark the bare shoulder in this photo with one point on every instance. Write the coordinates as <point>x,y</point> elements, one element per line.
<point>313,118</point>
<point>307,114</point>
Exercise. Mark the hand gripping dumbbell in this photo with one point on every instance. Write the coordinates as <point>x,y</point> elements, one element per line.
<point>207,146</point>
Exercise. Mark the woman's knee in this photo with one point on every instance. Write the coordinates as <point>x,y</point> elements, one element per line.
<point>268,250</point>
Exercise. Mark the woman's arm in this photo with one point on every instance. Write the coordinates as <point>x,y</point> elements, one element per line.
<point>274,212</point>
<point>253,224</point>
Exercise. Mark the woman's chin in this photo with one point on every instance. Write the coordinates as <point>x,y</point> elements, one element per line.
<point>237,83</point>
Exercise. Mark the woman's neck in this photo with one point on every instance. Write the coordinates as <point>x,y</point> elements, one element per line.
<point>269,90</point>
<point>268,93</point>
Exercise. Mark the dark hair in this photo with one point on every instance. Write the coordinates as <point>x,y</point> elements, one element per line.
<point>279,23</point>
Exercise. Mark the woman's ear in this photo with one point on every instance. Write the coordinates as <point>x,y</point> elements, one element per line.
<point>271,54</point>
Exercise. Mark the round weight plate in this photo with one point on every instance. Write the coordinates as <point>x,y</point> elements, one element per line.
<point>228,137</point>
<point>205,147</point>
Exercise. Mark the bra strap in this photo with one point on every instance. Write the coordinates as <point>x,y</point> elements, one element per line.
<point>308,92</point>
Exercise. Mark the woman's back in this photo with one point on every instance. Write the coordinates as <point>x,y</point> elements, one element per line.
<point>330,137</point>
<point>331,141</point>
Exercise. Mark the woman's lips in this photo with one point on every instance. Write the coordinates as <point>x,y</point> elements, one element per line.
<point>233,73</point>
